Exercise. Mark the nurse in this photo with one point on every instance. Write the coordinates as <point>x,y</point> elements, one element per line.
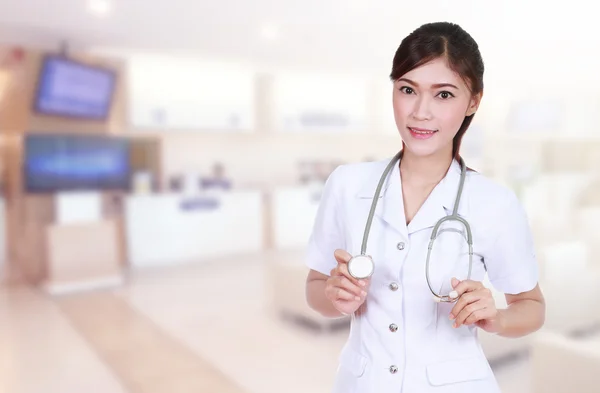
<point>401,339</point>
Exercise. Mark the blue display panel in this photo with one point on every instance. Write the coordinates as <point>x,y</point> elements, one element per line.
<point>76,162</point>
<point>71,89</point>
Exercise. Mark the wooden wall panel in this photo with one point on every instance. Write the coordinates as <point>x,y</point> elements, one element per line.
<point>30,216</point>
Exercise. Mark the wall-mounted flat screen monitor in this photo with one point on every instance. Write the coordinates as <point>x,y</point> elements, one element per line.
<point>54,163</point>
<point>68,88</point>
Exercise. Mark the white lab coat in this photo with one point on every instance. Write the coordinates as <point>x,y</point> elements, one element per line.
<point>403,341</point>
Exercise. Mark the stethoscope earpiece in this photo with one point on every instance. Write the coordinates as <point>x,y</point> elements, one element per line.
<point>451,298</point>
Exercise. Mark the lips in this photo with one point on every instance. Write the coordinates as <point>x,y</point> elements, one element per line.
<point>423,131</point>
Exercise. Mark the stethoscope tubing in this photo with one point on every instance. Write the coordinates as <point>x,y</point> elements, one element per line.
<point>434,233</point>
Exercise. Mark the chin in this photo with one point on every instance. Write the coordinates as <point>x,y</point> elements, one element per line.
<point>426,147</point>
<point>421,149</point>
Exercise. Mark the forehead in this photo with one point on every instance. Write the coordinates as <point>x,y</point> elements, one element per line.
<point>435,72</point>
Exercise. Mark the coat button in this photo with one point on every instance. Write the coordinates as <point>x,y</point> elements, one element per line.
<point>393,328</point>
<point>393,369</point>
<point>394,286</point>
<point>400,246</point>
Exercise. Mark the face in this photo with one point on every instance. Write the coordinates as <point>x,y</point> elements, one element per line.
<point>430,104</point>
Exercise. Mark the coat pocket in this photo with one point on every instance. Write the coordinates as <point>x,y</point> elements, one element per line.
<point>458,370</point>
<point>353,361</point>
<point>351,375</point>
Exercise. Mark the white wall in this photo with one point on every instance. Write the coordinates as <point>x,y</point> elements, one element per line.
<point>266,149</point>
<point>189,93</point>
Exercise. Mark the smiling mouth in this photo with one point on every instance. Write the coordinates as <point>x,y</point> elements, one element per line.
<point>422,131</point>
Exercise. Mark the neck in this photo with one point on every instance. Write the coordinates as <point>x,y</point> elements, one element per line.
<point>426,170</point>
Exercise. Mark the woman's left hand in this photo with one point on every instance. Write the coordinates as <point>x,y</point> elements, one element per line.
<point>475,305</point>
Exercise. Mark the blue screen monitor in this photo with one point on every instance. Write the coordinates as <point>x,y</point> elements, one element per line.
<point>55,163</point>
<point>67,88</point>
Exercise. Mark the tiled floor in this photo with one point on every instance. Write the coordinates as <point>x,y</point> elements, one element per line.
<point>138,351</point>
<point>41,352</point>
<point>232,327</point>
<point>204,328</point>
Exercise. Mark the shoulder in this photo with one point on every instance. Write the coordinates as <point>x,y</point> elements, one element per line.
<point>351,178</point>
<point>488,195</point>
<point>483,187</point>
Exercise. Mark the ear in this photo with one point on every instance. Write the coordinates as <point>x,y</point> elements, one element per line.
<point>474,104</point>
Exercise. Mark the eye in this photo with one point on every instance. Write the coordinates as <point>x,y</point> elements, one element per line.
<point>445,95</point>
<point>406,90</point>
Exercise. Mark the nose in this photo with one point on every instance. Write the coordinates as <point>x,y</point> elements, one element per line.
<point>422,109</point>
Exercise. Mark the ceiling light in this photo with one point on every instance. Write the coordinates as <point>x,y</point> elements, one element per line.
<point>269,32</point>
<point>99,7</point>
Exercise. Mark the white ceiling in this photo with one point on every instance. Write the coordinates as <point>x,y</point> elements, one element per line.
<point>342,33</point>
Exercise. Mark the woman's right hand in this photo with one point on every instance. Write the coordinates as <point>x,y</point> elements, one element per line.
<point>345,292</point>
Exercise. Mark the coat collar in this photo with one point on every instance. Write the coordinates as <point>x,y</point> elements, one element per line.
<point>390,206</point>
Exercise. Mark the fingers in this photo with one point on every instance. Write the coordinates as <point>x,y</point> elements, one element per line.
<point>342,256</point>
<point>345,283</point>
<point>474,304</point>
<point>342,268</point>
<point>337,293</point>
<point>341,288</point>
<point>480,315</point>
<point>461,287</point>
<point>463,302</point>
<point>470,311</point>
<point>341,285</point>
<point>454,282</point>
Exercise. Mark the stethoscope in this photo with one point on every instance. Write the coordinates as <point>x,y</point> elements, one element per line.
<point>362,266</point>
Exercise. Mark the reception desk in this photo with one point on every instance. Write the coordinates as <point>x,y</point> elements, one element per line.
<point>82,256</point>
<point>293,215</point>
<point>166,229</point>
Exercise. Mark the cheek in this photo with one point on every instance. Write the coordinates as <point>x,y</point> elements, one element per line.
<point>401,109</point>
<point>451,117</point>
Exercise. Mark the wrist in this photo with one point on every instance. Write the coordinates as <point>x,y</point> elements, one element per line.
<point>501,322</point>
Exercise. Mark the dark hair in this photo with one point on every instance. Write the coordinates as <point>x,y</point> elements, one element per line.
<point>448,40</point>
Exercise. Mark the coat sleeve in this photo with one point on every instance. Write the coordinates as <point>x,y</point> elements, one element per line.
<point>511,263</point>
<point>328,228</point>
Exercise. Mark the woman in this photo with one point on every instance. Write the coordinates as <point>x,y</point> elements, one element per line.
<point>402,340</point>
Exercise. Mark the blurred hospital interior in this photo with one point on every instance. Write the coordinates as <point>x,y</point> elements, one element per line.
<point>161,164</point>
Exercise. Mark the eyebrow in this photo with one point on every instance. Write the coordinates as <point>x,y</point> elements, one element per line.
<point>435,86</point>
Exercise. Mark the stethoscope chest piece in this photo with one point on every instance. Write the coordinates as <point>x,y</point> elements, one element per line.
<point>361,267</point>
